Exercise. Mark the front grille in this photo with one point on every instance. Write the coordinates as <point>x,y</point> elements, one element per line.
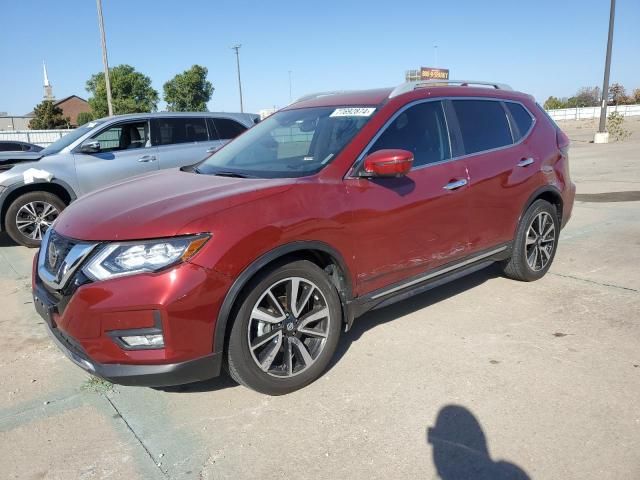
<point>56,251</point>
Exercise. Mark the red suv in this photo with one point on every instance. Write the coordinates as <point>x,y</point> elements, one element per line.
<point>338,204</point>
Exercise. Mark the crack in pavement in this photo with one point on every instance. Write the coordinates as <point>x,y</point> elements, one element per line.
<point>594,282</point>
<point>165,474</point>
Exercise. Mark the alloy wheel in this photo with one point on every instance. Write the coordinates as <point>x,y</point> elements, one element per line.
<point>289,326</point>
<point>540,241</point>
<point>34,219</point>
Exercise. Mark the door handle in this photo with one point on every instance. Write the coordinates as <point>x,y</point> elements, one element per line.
<point>147,158</point>
<point>455,184</point>
<point>525,162</point>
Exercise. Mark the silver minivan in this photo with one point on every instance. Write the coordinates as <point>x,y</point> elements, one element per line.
<point>35,187</point>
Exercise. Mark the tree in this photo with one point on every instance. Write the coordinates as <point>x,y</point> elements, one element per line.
<point>553,103</point>
<point>84,117</point>
<point>48,116</point>
<point>617,94</point>
<point>588,97</point>
<point>636,95</point>
<point>131,92</point>
<point>188,91</point>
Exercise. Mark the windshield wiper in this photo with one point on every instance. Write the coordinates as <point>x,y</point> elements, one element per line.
<point>232,174</point>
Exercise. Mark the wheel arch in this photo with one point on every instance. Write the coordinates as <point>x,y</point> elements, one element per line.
<point>57,187</point>
<point>549,193</point>
<point>320,253</point>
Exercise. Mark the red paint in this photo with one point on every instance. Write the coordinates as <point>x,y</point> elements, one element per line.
<point>386,229</point>
<point>388,163</point>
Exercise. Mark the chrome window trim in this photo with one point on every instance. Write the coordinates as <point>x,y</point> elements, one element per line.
<point>439,272</point>
<point>352,173</point>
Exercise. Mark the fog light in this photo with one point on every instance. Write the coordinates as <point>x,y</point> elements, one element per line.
<point>143,340</point>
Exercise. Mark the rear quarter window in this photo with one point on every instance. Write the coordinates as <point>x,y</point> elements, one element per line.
<point>483,124</point>
<point>521,118</point>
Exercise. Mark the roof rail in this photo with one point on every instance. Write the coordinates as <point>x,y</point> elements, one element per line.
<point>313,96</point>
<point>411,86</point>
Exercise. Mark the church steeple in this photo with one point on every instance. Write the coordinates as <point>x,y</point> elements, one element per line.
<point>48,90</point>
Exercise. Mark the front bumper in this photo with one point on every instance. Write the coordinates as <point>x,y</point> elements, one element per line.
<point>183,302</point>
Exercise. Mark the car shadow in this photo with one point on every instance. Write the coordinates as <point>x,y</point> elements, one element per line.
<point>460,450</point>
<point>365,323</point>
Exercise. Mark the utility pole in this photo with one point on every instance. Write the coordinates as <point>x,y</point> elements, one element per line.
<point>237,49</point>
<point>290,97</point>
<point>105,61</point>
<point>602,136</point>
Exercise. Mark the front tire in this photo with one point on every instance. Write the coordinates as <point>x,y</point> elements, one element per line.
<point>534,247</point>
<point>286,329</point>
<point>30,215</point>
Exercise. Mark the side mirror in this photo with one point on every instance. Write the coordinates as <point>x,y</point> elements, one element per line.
<point>90,146</point>
<point>387,163</point>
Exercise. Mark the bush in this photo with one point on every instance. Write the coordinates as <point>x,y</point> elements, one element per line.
<point>84,117</point>
<point>615,127</point>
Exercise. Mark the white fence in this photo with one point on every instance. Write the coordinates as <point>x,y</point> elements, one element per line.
<point>39,137</point>
<point>586,113</point>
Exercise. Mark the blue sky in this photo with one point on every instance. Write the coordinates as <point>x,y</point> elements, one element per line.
<point>540,47</point>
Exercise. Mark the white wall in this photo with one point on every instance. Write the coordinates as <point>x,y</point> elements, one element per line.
<point>39,137</point>
<point>592,112</point>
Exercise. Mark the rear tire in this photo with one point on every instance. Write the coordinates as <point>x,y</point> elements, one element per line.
<point>278,345</point>
<point>30,215</point>
<point>535,245</point>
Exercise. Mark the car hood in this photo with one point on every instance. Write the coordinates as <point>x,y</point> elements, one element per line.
<point>161,204</point>
<point>8,159</point>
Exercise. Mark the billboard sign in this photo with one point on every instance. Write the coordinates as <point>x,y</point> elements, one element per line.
<point>428,73</point>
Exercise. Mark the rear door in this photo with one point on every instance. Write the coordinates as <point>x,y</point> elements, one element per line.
<point>227,128</point>
<point>501,163</point>
<point>182,141</point>
<point>406,226</point>
<point>125,151</point>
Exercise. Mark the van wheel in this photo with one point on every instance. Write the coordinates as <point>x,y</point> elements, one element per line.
<point>286,329</point>
<point>535,244</point>
<point>30,215</point>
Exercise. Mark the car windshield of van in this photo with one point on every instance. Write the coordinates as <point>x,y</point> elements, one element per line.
<point>69,138</point>
<point>290,143</point>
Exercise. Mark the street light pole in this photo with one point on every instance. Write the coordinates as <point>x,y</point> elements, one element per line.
<point>607,67</point>
<point>105,61</point>
<point>237,49</point>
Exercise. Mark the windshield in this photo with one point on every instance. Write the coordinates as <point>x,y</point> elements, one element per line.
<point>290,143</point>
<point>68,139</point>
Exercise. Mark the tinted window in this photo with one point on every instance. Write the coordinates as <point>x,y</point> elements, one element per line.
<point>483,124</point>
<point>421,130</point>
<point>180,130</point>
<point>124,136</point>
<point>228,129</point>
<point>521,118</point>
<point>8,147</point>
<point>25,147</point>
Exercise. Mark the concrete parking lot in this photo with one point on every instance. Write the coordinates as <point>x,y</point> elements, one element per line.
<point>485,378</point>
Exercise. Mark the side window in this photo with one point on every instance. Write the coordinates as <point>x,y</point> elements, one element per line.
<point>180,130</point>
<point>25,147</point>
<point>521,117</point>
<point>227,128</point>
<point>8,147</point>
<point>420,129</point>
<point>483,124</point>
<point>124,136</point>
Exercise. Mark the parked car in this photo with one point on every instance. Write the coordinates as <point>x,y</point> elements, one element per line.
<point>338,204</point>
<point>36,187</point>
<point>17,146</point>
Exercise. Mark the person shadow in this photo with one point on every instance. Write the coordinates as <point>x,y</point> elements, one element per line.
<point>460,450</point>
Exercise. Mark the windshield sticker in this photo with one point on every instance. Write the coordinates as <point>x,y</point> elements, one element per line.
<point>353,112</point>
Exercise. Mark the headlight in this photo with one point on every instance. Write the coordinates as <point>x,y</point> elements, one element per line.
<point>127,258</point>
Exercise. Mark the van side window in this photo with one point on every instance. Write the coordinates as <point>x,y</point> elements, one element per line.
<point>422,130</point>
<point>483,124</point>
<point>227,128</point>
<point>124,136</point>
<point>180,130</point>
<point>521,118</point>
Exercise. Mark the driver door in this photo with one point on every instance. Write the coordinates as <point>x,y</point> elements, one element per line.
<point>125,151</point>
<point>406,226</point>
